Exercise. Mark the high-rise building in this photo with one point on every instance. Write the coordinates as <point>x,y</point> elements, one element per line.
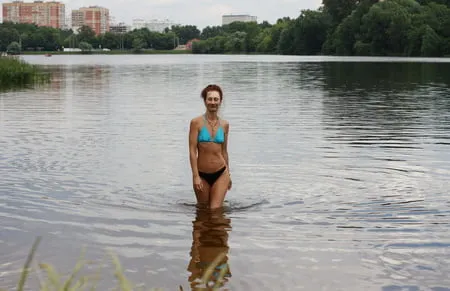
<point>41,13</point>
<point>95,17</point>
<point>229,18</point>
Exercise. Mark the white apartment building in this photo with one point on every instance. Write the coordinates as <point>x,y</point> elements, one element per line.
<point>156,25</point>
<point>229,18</point>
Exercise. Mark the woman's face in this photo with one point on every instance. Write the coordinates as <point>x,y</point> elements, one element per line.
<point>212,101</point>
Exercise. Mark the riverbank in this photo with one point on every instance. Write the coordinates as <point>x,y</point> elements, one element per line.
<point>15,72</point>
<point>112,52</point>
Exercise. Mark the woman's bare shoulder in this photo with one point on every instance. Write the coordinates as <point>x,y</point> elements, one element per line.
<point>196,120</point>
<point>224,122</point>
<point>225,125</point>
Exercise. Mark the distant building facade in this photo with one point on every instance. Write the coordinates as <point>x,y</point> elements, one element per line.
<point>51,14</point>
<point>119,28</point>
<point>156,25</point>
<point>229,18</point>
<point>95,17</point>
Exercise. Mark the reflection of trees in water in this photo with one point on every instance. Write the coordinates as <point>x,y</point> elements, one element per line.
<point>81,78</point>
<point>74,92</point>
<point>95,77</point>
<point>242,75</point>
<point>295,75</point>
<point>90,88</point>
<point>395,100</point>
<point>57,79</point>
<point>209,240</point>
<point>394,77</point>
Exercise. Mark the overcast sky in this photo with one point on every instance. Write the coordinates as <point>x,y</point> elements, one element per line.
<point>197,12</point>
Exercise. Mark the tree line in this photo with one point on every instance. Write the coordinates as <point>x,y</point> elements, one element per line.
<point>338,27</point>
<point>343,27</point>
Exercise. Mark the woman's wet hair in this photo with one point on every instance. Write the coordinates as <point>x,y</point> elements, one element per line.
<point>211,87</point>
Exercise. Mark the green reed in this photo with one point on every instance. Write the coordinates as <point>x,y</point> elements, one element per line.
<point>57,282</point>
<point>15,72</point>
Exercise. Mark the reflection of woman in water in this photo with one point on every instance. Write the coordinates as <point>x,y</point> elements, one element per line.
<point>208,154</point>
<point>210,239</point>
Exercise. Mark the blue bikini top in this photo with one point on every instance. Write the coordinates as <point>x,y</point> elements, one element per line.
<point>204,136</point>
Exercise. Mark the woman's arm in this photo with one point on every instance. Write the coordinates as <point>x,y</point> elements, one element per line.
<point>225,151</point>
<point>225,145</point>
<point>193,148</point>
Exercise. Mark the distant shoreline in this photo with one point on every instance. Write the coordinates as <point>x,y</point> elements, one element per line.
<point>113,52</point>
<point>189,52</point>
<point>131,52</point>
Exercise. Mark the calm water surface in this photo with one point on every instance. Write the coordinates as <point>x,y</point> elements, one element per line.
<point>341,171</point>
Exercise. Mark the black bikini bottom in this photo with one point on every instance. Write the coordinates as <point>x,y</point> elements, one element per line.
<point>211,178</point>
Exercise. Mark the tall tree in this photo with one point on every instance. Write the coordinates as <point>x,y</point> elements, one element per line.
<point>339,9</point>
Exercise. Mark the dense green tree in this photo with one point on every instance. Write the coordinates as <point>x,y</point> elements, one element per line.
<point>14,48</point>
<point>184,33</point>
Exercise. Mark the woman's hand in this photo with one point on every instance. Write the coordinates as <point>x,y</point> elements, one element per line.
<point>198,185</point>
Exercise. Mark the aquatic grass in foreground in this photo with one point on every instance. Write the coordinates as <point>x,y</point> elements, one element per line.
<point>15,72</point>
<point>55,281</point>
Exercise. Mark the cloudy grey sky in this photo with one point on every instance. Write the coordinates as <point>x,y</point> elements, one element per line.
<point>197,12</point>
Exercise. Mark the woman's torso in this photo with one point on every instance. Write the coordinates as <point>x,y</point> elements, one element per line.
<point>210,144</point>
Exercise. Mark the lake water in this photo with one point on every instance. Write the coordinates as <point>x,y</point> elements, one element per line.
<point>341,171</point>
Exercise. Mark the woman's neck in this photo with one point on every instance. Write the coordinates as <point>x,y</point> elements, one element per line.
<point>211,115</point>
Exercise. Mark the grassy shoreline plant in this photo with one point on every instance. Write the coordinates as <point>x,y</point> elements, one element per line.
<point>51,280</point>
<point>15,72</point>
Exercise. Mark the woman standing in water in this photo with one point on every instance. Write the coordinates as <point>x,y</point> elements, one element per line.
<point>208,154</point>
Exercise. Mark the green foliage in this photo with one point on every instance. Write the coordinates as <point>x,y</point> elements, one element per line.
<point>344,27</point>
<point>310,32</point>
<point>85,46</point>
<point>86,34</point>
<point>211,31</point>
<point>386,26</point>
<point>184,33</point>
<point>285,45</point>
<point>339,9</point>
<point>13,48</point>
<point>8,35</point>
<point>16,73</point>
<point>138,44</point>
<point>392,27</point>
<point>431,43</point>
